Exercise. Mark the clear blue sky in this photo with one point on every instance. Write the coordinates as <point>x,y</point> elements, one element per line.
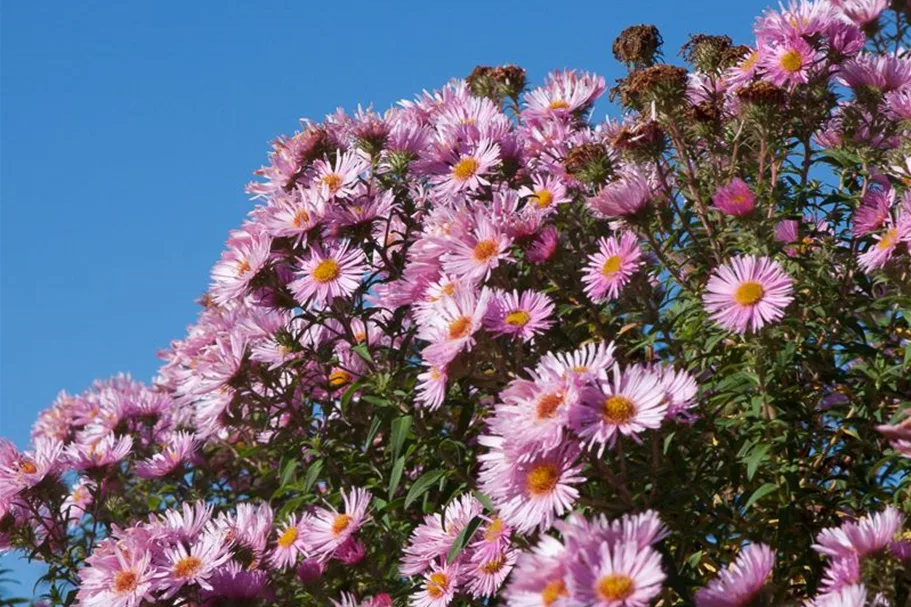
<point>130,129</point>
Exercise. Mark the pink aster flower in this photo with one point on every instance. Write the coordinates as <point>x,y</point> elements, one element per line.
<point>246,255</point>
<point>119,577</point>
<point>565,92</point>
<point>234,584</point>
<point>880,252</point>
<point>861,12</point>
<point>432,539</point>
<point>849,596</point>
<point>735,198</point>
<point>468,169</point>
<point>788,63</point>
<point>540,577</point>
<point>98,454</point>
<point>331,528</point>
<point>748,293</point>
<point>194,566</point>
<point>873,211</point>
<point>610,269</point>
<point>485,573</point>
<point>546,192</point>
<point>475,255</point>
<point>179,450</point>
<point>899,103</point>
<point>867,536</point>
<point>339,179</point>
<point>623,575</point>
<point>623,197</point>
<point>328,274</point>
<point>530,492</point>
<point>521,316</point>
<point>293,541</point>
<point>534,414</point>
<point>543,246</point>
<point>591,361</point>
<point>431,386</point>
<point>740,582</point>
<point>21,471</point>
<point>451,326</point>
<point>438,588</point>
<point>628,404</point>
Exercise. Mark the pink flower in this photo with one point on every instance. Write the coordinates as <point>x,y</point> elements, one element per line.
<point>246,255</point>
<point>625,196</point>
<point>564,93</point>
<point>748,293</point>
<point>194,565</point>
<point>545,193</point>
<point>735,198</point>
<point>544,245</point>
<point>485,573</point>
<point>849,596</point>
<point>788,63</point>
<point>474,256</point>
<point>540,576</point>
<point>328,274</point>
<point>867,536</point>
<point>880,252</point>
<point>740,582</point>
<point>338,179</point>
<point>431,387</point>
<point>632,402</point>
<point>873,211</point>
<point>452,324</point>
<point>294,541</point>
<point>179,450</point>
<point>439,587</point>
<point>522,316</point>
<point>610,269</point>
<point>331,528</point>
<point>21,471</point>
<point>120,576</point>
<point>468,169</point>
<point>624,575</point>
<point>98,454</point>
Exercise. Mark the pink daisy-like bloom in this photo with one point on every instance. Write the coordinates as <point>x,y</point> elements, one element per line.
<point>623,197</point>
<point>78,501</point>
<point>840,573</point>
<point>738,583</point>
<point>476,255</point>
<point>292,541</point>
<point>21,471</point>
<point>235,584</point>
<point>431,387</point>
<point>246,255</point>
<point>623,575</point>
<point>339,179</point>
<point>545,192</point>
<point>588,362</point>
<point>452,324</point>
<point>530,492</point>
<point>880,252</point>
<point>873,211</point>
<point>468,170</point>
<point>744,71</point>
<point>543,246</point>
<point>630,403</point>
<point>565,92</point>
<point>331,528</point>
<point>521,316</point>
<point>861,12</point>
<point>486,573</point>
<point>534,414</point>
<point>610,269</point>
<point>867,536</point>
<point>179,450</point>
<point>432,539</point>
<point>105,452</point>
<point>735,198</point>
<point>194,565</point>
<point>849,596</point>
<point>540,576</point>
<point>788,63</point>
<point>679,392</point>
<point>326,275</point>
<point>439,586</point>
<point>120,577</point>
<point>899,103</point>
<point>747,293</point>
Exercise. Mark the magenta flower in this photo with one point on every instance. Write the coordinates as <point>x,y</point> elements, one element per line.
<point>120,576</point>
<point>194,566</point>
<point>293,541</point>
<point>849,596</point>
<point>338,179</point>
<point>246,255</point>
<point>626,196</point>
<point>873,212</point>
<point>439,586</point>
<point>467,170</point>
<point>738,583</point>
<point>521,316</point>
<point>474,256</point>
<point>624,575</point>
<point>328,274</point>
<point>178,450</point>
<point>748,293</point>
<point>540,577</point>
<point>610,269</point>
<point>735,198</point>
<point>331,528</point>
<point>21,471</point>
<point>869,535</point>
<point>788,63</point>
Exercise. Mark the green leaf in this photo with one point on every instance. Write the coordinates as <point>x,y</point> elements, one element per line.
<point>485,501</point>
<point>463,538</point>
<point>400,428</point>
<point>756,457</point>
<point>760,493</point>
<point>362,351</point>
<point>288,472</point>
<point>396,475</point>
<point>421,486</point>
<point>371,434</point>
<point>312,474</point>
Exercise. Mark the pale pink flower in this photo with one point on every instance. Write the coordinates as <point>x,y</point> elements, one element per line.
<point>748,293</point>
<point>610,269</point>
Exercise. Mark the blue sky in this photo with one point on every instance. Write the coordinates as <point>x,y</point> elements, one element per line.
<point>130,129</point>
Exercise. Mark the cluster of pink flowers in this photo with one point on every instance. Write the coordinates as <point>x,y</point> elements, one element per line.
<point>457,250</point>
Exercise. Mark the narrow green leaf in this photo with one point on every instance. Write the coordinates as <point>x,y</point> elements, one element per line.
<point>371,434</point>
<point>421,486</point>
<point>760,493</point>
<point>485,501</point>
<point>756,457</point>
<point>463,538</point>
<point>312,474</point>
<point>288,472</point>
<point>400,428</point>
<point>396,475</point>
<point>362,351</point>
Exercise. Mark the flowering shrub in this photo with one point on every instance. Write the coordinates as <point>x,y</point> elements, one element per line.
<point>479,350</point>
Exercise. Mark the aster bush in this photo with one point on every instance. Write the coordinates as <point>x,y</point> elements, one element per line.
<point>482,349</point>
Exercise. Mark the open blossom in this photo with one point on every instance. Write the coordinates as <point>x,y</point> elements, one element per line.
<point>864,537</point>
<point>747,293</point>
<point>623,575</point>
<point>439,586</point>
<point>21,471</point>
<point>331,528</point>
<point>338,179</point>
<point>453,325</point>
<point>194,565</point>
<point>522,316</point>
<point>735,198</point>
<point>789,62</point>
<point>293,541</point>
<point>740,582</point>
<point>119,577</point>
<point>546,192</point>
<point>476,255</point>
<point>624,197</point>
<point>246,255</point>
<point>178,450</point>
<point>566,92</point>
<point>328,274</point>
<point>109,450</point>
<point>610,269</point>
<point>468,169</point>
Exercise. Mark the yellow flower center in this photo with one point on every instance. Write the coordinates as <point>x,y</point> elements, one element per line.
<point>326,271</point>
<point>460,327</point>
<point>333,181</point>
<point>437,584</point>
<point>340,523</point>
<point>288,537</point>
<point>243,267</point>
<point>544,198</point>
<point>494,529</point>
<point>548,405</point>
<point>553,591</point>
<point>494,565</point>
<point>542,479</point>
<point>301,217</point>
<point>888,239</point>
<point>618,410</point>
<point>559,104</point>
<point>791,61</point>
<point>485,249</point>
<point>611,265</point>
<point>125,581</point>
<point>28,466</point>
<point>615,587</point>
<point>749,293</point>
<point>339,377</point>
<point>518,318</point>
<point>465,169</point>
<point>187,567</point>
